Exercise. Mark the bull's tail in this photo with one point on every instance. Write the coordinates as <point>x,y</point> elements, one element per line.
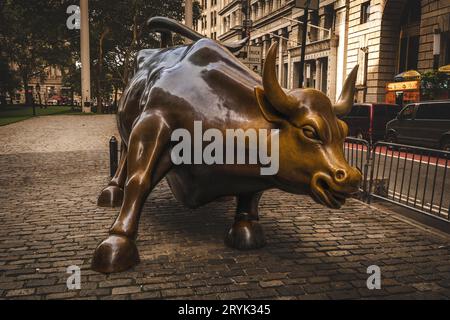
<point>166,26</point>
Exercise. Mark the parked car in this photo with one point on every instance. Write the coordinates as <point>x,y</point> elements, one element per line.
<point>425,124</point>
<point>52,102</point>
<point>368,120</point>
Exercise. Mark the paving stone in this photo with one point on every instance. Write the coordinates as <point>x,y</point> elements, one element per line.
<point>126,290</point>
<point>20,292</point>
<point>272,283</point>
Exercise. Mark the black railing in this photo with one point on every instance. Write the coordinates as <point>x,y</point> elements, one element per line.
<point>357,153</point>
<point>413,177</point>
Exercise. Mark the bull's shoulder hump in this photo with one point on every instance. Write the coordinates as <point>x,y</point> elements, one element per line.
<point>166,56</point>
<point>143,55</point>
<point>206,51</point>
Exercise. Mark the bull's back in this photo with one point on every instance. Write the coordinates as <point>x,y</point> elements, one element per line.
<point>149,64</point>
<point>202,81</point>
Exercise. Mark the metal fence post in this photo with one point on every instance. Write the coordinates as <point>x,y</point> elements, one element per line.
<point>113,155</point>
<point>372,156</point>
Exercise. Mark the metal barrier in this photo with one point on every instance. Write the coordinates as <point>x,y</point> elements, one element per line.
<point>357,152</point>
<point>413,177</point>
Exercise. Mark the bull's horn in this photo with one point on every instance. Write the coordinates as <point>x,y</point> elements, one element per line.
<point>236,46</point>
<point>345,103</point>
<point>272,89</point>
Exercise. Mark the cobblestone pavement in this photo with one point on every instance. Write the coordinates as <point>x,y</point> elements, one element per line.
<point>49,221</point>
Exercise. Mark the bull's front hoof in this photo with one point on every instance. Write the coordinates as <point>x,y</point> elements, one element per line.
<point>245,235</point>
<point>115,254</point>
<point>111,196</point>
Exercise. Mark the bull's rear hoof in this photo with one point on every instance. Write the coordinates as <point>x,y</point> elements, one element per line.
<point>111,196</point>
<point>115,254</point>
<point>245,235</point>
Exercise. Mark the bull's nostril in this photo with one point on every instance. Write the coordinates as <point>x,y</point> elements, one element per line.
<point>340,175</point>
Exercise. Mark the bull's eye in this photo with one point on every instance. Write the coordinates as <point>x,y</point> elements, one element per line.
<point>310,133</point>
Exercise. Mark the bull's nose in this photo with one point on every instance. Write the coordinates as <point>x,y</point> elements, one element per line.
<point>340,175</point>
<point>350,177</point>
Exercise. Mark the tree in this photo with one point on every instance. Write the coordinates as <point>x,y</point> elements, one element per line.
<point>128,30</point>
<point>9,81</point>
<point>33,36</point>
<point>117,33</point>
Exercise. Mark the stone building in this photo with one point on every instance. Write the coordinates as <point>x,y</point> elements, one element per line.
<point>385,37</point>
<point>43,88</point>
<point>209,23</point>
<point>279,20</point>
<point>388,37</point>
<point>231,20</point>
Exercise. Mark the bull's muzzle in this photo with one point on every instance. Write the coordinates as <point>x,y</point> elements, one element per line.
<point>333,190</point>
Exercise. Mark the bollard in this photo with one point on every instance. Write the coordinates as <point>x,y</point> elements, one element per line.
<point>113,156</point>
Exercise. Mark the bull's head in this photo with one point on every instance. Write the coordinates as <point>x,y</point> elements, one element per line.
<point>311,141</point>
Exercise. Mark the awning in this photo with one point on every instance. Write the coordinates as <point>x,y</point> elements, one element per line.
<point>407,75</point>
<point>445,69</point>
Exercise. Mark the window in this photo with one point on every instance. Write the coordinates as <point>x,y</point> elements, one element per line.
<point>409,53</point>
<point>363,111</point>
<point>408,112</point>
<point>359,111</point>
<point>329,16</point>
<point>363,61</point>
<point>445,44</point>
<point>411,13</point>
<point>379,110</point>
<point>438,111</point>
<point>392,111</point>
<point>365,12</point>
<point>313,32</point>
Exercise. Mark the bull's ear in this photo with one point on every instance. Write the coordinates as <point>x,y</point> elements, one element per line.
<point>268,111</point>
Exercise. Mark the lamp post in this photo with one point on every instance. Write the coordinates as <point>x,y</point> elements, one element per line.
<point>85,57</point>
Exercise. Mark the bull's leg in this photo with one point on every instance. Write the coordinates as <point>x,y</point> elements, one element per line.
<point>246,232</point>
<point>112,195</point>
<point>148,161</point>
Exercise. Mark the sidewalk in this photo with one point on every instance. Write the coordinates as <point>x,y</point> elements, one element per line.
<point>52,170</point>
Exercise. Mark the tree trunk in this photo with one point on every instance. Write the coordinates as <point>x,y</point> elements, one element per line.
<point>25,88</point>
<point>116,92</point>
<point>100,70</point>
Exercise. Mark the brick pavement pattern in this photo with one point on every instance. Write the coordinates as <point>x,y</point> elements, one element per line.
<point>53,168</point>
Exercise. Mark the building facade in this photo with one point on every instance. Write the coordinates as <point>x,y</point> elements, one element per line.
<point>385,37</point>
<point>209,24</point>
<point>279,21</point>
<point>42,89</point>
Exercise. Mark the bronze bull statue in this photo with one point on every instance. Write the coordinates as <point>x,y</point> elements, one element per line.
<point>203,81</point>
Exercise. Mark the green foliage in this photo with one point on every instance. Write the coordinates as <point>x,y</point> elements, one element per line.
<point>433,83</point>
<point>34,35</point>
<point>9,80</point>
